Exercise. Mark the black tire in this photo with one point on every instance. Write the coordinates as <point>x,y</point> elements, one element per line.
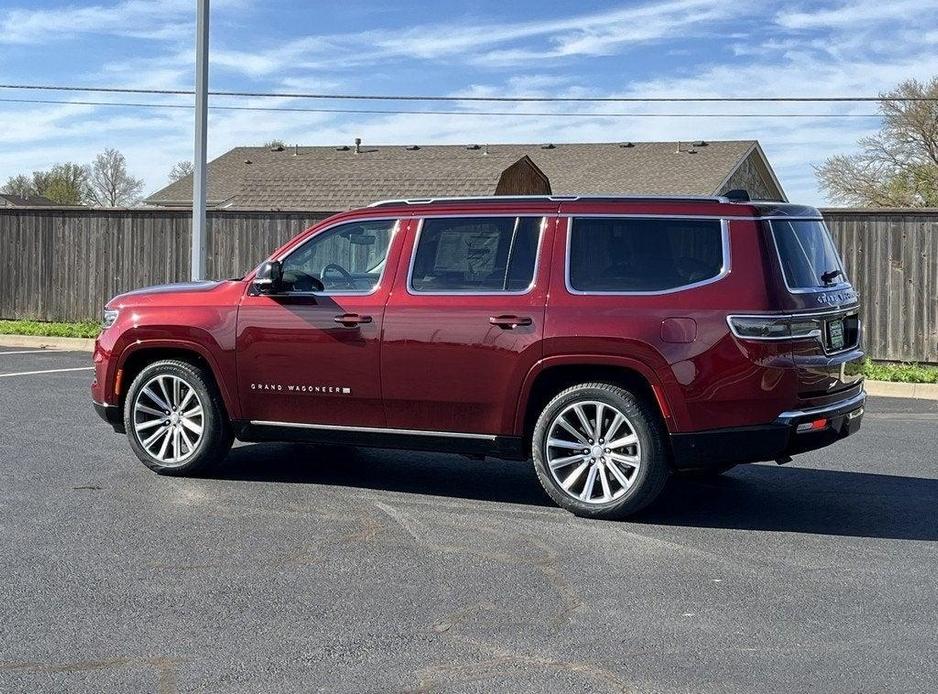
<point>654,468</point>
<point>216,436</point>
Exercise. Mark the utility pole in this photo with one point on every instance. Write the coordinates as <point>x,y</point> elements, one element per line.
<point>201,141</point>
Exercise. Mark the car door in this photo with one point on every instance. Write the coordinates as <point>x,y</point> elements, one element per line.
<point>465,322</point>
<point>312,357</point>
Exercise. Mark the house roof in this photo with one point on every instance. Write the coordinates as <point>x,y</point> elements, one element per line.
<point>11,200</point>
<point>333,179</point>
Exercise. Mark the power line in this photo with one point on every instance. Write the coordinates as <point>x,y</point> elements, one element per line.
<point>544,114</point>
<point>518,99</point>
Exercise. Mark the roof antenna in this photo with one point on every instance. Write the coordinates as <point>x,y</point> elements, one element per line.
<point>358,145</point>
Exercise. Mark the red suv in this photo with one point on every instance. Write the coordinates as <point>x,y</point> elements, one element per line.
<point>613,340</point>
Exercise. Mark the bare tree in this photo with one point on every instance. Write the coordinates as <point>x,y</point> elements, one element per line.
<point>109,183</point>
<point>897,167</point>
<point>180,170</point>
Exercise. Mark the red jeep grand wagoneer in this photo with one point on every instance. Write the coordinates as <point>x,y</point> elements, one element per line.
<point>612,340</point>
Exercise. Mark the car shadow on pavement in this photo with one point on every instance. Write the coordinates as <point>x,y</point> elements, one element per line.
<point>804,500</point>
<point>411,472</point>
<point>750,497</point>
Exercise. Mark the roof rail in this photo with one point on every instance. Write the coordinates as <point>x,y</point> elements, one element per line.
<point>547,198</point>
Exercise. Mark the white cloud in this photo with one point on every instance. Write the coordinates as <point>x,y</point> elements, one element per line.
<point>849,14</point>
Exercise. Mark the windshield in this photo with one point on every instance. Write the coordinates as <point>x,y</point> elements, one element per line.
<point>807,254</point>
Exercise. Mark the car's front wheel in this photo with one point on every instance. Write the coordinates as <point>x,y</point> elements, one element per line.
<point>175,419</point>
<point>599,451</point>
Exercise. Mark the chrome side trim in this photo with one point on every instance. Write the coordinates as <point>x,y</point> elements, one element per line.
<point>857,399</point>
<point>724,270</point>
<point>376,430</point>
<point>519,292</point>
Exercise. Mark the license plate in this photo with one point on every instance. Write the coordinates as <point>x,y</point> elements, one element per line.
<point>835,332</point>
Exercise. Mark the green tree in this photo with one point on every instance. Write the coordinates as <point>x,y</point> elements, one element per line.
<point>897,167</point>
<point>21,185</point>
<point>66,184</point>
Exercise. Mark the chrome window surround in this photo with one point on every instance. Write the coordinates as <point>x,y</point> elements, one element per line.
<point>519,292</point>
<point>814,334</point>
<point>347,292</point>
<point>840,286</point>
<point>724,270</point>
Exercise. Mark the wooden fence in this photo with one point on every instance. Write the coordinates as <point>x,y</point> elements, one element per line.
<point>892,261</point>
<point>64,264</point>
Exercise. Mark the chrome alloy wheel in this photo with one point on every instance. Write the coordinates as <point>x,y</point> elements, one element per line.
<point>593,452</point>
<point>168,419</point>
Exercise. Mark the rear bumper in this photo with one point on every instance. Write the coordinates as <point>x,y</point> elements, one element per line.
<point>774,441</point>
<point>110,414</point>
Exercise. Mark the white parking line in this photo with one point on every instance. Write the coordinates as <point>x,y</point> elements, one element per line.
<point>29,351</point>
<point>49,371</point>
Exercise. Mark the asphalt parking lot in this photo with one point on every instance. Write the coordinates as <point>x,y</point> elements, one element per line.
<point>300,568</point>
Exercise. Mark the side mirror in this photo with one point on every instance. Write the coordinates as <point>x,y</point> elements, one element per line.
<point>269,277</point>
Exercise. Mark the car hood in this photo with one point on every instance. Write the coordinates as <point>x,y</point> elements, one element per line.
<point>165,292</point>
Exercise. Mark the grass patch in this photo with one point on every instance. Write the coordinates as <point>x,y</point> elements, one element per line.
<point>35,327</point>
<point>901,373</point>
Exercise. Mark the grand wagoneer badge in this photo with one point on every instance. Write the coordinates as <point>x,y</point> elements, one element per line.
<point>295,388</point>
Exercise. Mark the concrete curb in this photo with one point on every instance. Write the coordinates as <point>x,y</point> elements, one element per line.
<point>915,391</point>
<point>74,344</point>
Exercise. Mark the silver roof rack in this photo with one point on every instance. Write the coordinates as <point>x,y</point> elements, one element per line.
<point>548,198</point>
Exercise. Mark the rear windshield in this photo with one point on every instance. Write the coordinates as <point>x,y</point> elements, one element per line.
<point>609,254</point>
<point>809,259</point>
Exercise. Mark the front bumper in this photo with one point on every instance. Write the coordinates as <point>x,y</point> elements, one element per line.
<point>791,433</point>
<point>111,414</point>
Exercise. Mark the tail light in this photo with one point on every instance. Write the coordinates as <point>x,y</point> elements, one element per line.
<point>775,327</point>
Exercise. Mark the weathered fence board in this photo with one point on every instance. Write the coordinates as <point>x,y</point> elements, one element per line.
<point>892,260</point>
<point>64,264</point>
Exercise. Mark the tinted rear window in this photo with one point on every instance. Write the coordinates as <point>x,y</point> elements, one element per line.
<point>809,259</point>
<point>476,254</point>
<point>643,255</point>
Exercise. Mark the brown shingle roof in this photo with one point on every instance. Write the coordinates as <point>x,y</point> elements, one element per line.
<point>10,200</point>
<point>329,179</point>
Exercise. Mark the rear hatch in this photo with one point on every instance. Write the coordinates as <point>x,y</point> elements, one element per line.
<point>824,307</point>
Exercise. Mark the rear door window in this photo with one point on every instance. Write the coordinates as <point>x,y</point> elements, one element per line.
<point>807,255</point>
<point>472,255</point>
<point>611,254</point>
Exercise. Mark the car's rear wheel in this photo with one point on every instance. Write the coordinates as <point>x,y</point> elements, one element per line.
<point>175,419</point>
<point>599,451</point>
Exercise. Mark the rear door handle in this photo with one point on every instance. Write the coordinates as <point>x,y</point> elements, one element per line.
<point>350,320</point>
<point>510,322</point>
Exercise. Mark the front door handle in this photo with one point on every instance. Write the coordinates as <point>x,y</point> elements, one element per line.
<point>510,322</point>
<point>350,320</point>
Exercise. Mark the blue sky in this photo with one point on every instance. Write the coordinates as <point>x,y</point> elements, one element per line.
<point>586,48</point>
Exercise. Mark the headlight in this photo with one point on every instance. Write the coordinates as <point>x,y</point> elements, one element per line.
<point>110,317</point>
